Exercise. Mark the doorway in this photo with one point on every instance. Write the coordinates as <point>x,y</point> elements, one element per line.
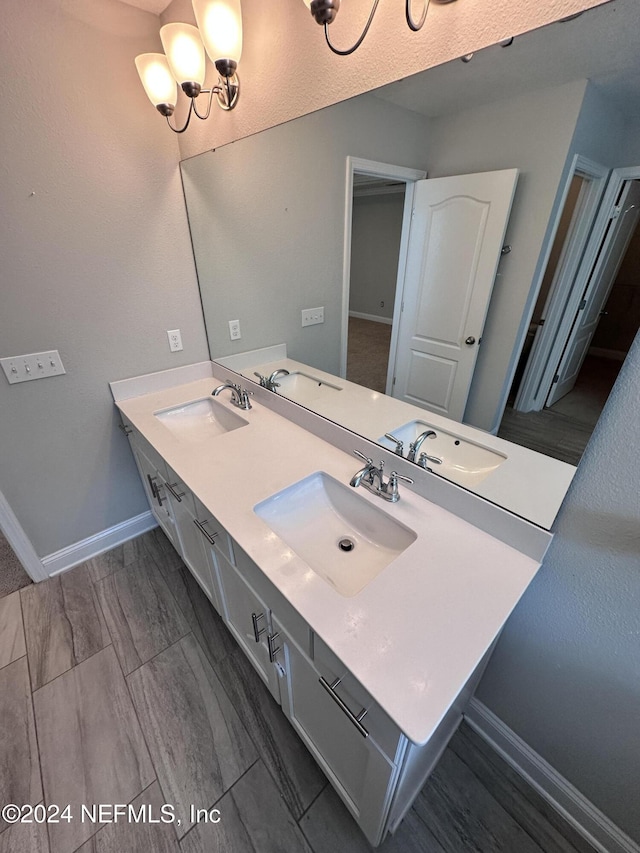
<point>378,201</point>
<point>604,323</point>
<point>376,231</point>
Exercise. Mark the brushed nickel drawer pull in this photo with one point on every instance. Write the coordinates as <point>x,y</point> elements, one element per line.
<point>172,488</point>
<point>356,720</point>
<point>125,429</point>
<point>210,537</point>
<point>271,638</point>
<point>256,631</point>
<point>155,491</point>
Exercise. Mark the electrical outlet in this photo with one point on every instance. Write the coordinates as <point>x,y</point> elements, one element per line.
<point>35,365</point>
<point>311,316</point>
<point>234,330</point>
<point>175,340</point>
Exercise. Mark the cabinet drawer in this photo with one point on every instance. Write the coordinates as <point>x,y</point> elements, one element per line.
<point>379,725</point>
<point>295,626</point>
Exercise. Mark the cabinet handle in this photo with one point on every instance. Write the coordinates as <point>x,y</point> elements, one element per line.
<point>172,489</point>
<point>155,491</point>
<point>256,631</point>
<point>331,690</point>
<point>125,429</point>
<point>210,537</point>
<point>271,638</point>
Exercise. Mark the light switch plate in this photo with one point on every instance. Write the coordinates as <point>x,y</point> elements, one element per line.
<point>311,316</point>
<point>35,365</point>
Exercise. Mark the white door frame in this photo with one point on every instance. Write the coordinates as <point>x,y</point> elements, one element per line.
<point>574,266</point>
<point>393,173</point>
<point>19,542</point>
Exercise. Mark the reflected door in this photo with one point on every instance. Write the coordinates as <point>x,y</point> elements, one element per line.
<point>457,232</point>
<point>614,246</point>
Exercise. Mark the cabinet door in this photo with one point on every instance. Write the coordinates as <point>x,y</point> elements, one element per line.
<point>192,548</point>
<point>249,620</point>
<point>153,485</point>
<point>361,774</point>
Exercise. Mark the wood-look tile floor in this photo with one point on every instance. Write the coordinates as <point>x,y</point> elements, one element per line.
<point>119,684</point>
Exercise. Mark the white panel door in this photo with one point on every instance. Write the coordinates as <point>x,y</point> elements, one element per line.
<point>600,283</point>
<point>457,232</point>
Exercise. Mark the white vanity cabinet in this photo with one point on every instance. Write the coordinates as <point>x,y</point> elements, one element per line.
<point>358,747</point>
<point>248,618</point>
<point>153,474</point>
<point>196,534</point>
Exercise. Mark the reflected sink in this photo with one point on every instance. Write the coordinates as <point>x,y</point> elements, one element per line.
<point>303,386</point>
<point>200,420</point>
<point>463,461</point>
<point>340,535</point>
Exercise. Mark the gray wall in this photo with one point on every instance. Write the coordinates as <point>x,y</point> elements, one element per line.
<point>566,673</point>
<point>267,223</point>
<point>375,245</point>
<point>532,133</point>
<point>96,264</point>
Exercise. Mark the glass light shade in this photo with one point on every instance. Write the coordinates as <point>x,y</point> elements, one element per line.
<point>220,25</point>
<point>156,78</point>
<point>307,3</point>
<point>185,52</point>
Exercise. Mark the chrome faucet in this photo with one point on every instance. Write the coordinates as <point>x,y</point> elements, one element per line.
<point>414,447</point>
<point>275,375</point>
<point>371,473</point>
<point>269,382</point>
<point>239,396</point>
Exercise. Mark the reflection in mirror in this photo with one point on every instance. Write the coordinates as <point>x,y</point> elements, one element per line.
<point>274,238</point>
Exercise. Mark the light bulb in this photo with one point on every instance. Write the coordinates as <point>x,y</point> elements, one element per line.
<point>185,52</point>
<point>220,24</point>
<point>156,78</point>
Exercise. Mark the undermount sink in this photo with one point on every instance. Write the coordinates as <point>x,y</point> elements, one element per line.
<point>463,461</point>
<point>344,538</point>
<point>200,420</point>
<point>303,386</point>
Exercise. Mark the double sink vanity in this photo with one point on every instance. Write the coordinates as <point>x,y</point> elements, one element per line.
<point>366,592</point>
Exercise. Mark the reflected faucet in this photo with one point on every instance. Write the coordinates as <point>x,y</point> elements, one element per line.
<point>269,382</point>
<point>415,446</point>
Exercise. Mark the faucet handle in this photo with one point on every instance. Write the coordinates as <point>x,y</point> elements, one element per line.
<point>394,477</point>
<point>367,459</point>
<point>263,379</point>
<point>399,445</point>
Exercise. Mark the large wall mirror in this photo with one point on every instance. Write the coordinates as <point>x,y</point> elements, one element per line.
<point>316,213</point>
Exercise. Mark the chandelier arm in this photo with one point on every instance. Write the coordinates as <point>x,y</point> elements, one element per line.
<point>360,40</point>
<point>410,22</point>
<point>212,91</point>
<point>186,124</point>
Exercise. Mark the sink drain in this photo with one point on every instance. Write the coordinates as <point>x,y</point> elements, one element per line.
<point>346,545</point>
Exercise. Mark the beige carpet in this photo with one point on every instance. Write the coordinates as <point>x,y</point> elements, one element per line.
<point>12,575</point>
<point>368,353</point>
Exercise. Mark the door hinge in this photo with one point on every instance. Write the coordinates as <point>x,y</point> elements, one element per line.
<point>541,322</point>
<point>583,305</point>
<point>402,306</point>
<point>555,379</point>
<point>616,211</point>
<point>394,381</point>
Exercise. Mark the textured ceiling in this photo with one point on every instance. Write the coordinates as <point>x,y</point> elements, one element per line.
<point>601,45</point>
<point>155,6</point>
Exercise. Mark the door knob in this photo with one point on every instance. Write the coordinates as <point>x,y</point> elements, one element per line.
<point>470,341</point>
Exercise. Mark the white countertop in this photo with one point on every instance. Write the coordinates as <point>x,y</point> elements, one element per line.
<point>527,483</point>
<point>416,632</point>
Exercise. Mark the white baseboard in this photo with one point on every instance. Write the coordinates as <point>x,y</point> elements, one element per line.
<point>588,820</point>
<point>373,317</point>
<point>77,553</point>
<point>19,542</point>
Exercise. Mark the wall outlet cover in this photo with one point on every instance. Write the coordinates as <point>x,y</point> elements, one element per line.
<point>175,340</point>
